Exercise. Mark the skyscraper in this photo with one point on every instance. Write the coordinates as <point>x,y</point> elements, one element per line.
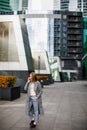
<point>82,6</point>
<point>14,4</point>
<point>19,5</point>
<point>70,5</point>
<point>64,4</point>
<point>5,6</point>
<point>65,39</point>
<point>74,5</point>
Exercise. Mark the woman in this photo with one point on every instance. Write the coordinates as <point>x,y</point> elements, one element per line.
<point>34,100</point>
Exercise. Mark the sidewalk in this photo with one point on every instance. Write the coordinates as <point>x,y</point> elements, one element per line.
<point>65,108</point>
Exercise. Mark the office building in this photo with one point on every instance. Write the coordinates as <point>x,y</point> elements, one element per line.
<point>41,62</point>
<point>66,40</point>
<point>64,4</point>
<point>19,5</point>
<point>15,53</point>
<point>74,5</point>
<point>70,5</point>
<point>5,6</point>
<point>82,6</point>
<point>15,5</point>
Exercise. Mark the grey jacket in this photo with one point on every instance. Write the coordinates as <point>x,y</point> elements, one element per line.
<point>38,91</point>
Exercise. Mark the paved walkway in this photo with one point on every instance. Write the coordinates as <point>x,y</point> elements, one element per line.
<point>65,108</point>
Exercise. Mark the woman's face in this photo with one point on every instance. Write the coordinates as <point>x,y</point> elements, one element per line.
<point>31,77</point>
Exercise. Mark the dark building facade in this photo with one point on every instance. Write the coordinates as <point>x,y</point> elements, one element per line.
<point>68,41</point>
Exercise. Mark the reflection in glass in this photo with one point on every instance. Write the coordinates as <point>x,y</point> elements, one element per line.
<point>54,66</point>
<point>8,49</point>
<point>39,61</point>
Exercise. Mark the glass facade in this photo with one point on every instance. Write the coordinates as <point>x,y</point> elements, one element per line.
<point>41,63</point>
<point>5,6</point>
<point>57,36</point>
<point>74,5</point>
<point>15,53</point>
<point>51,37</point>
<point>82,5</point>
<point>59,33</point>
<point>14,4</point>
<point>85,46</point>
<point>38,33</point>
<point>64,5</point>
<point>19,5</point>
<point>8,48</point>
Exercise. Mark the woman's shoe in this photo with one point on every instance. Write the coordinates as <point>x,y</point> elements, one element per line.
<point>33,125</point>
<point>32,121</point>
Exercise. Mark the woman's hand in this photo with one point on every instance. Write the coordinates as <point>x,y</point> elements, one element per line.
<point>28,80</point>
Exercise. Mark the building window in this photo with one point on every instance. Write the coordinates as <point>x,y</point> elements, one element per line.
<point>64,16</point>
<point>62,63</point>
<point>64,34</point>
<point>64,28</point>
<point>64,41</point>
<point>64,22</point>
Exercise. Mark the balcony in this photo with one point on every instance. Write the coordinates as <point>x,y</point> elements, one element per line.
<point>74,19</point>
<point>74,25</point>
<point>75,44</point>
<point>75,14</point>
<point>74,32</point>
<point>72,57</point>
<point>74,51</point>
<point>74,38</point>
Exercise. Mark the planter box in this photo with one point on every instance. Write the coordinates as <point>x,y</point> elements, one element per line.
<point>10,93</point>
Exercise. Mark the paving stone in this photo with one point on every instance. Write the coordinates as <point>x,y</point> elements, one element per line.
<point>65,108</point>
